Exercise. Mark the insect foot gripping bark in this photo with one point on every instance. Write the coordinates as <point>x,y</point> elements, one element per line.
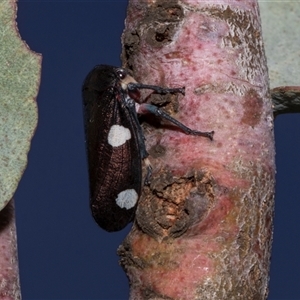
<point>116,143</point>
<point>203,225</point>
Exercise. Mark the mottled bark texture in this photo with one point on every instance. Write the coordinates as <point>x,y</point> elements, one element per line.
<point>286,99</point>
<point>9,271</point>
<point>203,227</point>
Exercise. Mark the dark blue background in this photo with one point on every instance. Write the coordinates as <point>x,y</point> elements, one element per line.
<point>63,253</point>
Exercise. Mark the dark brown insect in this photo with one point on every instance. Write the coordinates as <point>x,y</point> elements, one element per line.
<point>115,142</point>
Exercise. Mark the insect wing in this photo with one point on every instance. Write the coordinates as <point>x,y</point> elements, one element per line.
<point>113,156</point>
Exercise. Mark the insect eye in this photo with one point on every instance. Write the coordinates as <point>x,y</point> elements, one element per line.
<point>121,73</point>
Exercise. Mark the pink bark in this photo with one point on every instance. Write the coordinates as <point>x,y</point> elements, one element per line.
<point>9,271</point>
<point>203,229</point>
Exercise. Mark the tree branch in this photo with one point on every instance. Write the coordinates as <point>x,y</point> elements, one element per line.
<point>203,228</point>
<point>9,271</point>
<point>286,99</point>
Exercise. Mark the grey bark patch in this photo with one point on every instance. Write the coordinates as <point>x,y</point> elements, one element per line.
<point>157,27</point>
<point>175,204</point>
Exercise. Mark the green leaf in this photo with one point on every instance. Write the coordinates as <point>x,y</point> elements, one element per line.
<point>19,84</point>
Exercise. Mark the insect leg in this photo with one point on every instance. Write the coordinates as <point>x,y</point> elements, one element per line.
<point>149,171</point>
<point>144,153</point>
<point>132,86</point>
<point>141,144</point>
<point>149,108</point>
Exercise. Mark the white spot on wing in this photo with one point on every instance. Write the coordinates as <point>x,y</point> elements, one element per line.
<point>118,135</point>
<point>127,199</point>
